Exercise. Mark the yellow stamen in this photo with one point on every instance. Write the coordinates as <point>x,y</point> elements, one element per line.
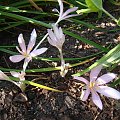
<point>92,84</point>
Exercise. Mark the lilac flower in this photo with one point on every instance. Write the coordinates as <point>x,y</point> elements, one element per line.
<point>5,77</point>
<point>57,38</point>
<point>65,15</point>
<point>26,53</point>
<point>98,85</point>
<point>21,77</point>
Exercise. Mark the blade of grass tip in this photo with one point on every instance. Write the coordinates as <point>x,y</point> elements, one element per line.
<point>86,41</point>
<point>100,61</point>
<point>30,20</point>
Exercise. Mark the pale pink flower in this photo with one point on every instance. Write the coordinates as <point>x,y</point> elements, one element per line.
<point>98,84</point>
<point>21,77</point>
<point>56,38</point>
<point>5,77</point>
<point>65,15</point>
<point>27,53</point>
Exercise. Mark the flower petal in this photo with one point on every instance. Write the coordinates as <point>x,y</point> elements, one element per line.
<point>38,52</point>
<point>51,41</point>
<point>21,42</point>
<point>105,78</point>
<point>3,76</point>
<point>32,41</point>
<point>68,16</point>
<point>96,99</point>
<point>69,11</point>
<point>94,73</point>
<point>81,79</point>
<point>85,95</point>
<point>15,74</point>
<point>16,58</point>
<point>51,35</point>
<point>56,31</point>
<point>61,7</point>
<point>109,92</point>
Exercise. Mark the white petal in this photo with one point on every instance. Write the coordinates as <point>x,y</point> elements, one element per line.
<point>32,41</point>
<point>51,41</point>
<point>94,73</point>
<point>84,97</point>
<point>96,99</point>
<point>109,92</point>
<point>38,52</point>
<point>15,74</point>
<point>81,79</point>
<point>62,36</point>
<point>56,31</point>
<point>3,76</point>
<point>21,42</point>
<point>16,58</point>
<point>105,78</point>
<point>51,35</point>
<point>61,7</point>
<point>68,16</point>
<point>69,11</point>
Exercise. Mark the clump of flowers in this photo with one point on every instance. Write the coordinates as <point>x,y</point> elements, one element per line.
<point>98,84</point>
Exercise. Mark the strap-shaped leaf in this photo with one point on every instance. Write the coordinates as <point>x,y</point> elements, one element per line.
<point>109,56</point>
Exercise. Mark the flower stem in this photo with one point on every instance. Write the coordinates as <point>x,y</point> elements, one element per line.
<point>110,15</point>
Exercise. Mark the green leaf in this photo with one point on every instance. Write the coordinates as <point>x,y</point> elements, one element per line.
<point>102,60</point>
<point>33,84</point>
<point>97,3</point>
<point>86,41</point>
<point>41,86</point>
<point>30,20</point>
<point>12,9</point>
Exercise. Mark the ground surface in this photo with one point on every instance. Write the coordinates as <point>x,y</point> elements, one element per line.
<point>48,105</point>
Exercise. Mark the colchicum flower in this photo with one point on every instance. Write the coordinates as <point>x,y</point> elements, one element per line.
<point>5,77</point>
<point>21,77</point>
<point>26,53</point>
<point>98,85</point>
<point>64,15</point>
<point>56,39</point>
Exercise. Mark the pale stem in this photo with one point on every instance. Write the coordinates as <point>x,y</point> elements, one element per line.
<point>41,41</point>
<point>61,56</point>
<point>110,15</point>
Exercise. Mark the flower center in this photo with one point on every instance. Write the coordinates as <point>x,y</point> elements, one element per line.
<point>92,84</point>
<point>25,54</point>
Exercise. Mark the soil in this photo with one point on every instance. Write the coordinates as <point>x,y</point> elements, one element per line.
<point>41,104</point>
